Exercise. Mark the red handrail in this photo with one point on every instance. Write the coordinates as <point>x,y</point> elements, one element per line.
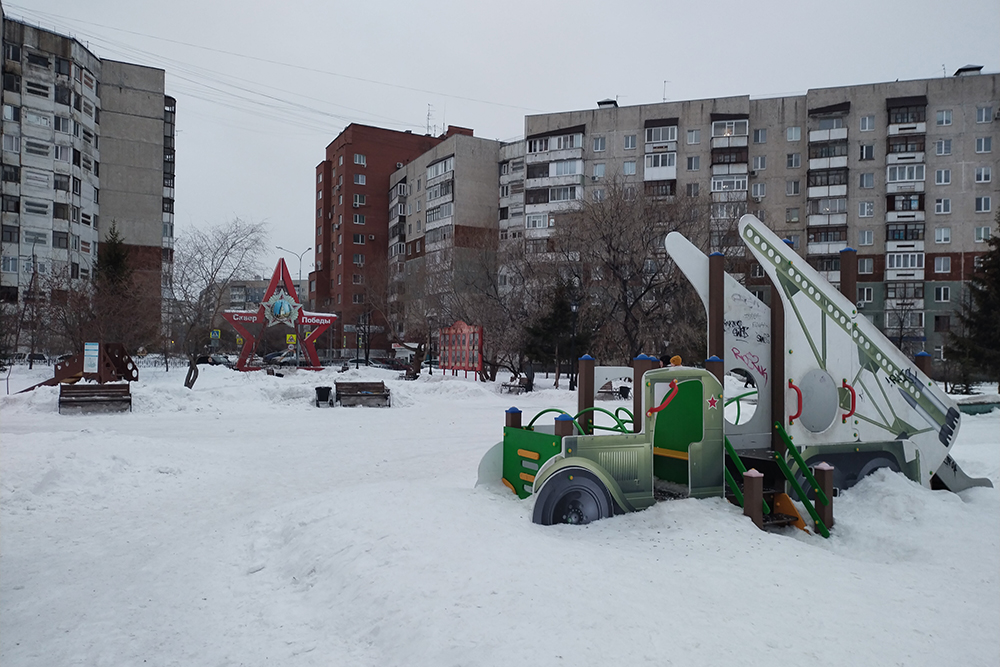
<point>798,392</point>
<point>854,402</point>
<point>666,401</point>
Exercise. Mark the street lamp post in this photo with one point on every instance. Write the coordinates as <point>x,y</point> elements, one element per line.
<point>572,362</point>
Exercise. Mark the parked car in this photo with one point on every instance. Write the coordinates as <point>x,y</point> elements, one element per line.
<point>214,360</point>
<point>430,363</point>
<point>393,364</point>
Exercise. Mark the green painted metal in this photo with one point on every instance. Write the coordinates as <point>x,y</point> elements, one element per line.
<point>739,403</point>
<point>619,426</point>
<point>546,445</point>
<point>676,427</point>
<point>631,418</point>
<point>558,411</point>
<point>787,472</point>
<point>731,451</point>
<point>803,468</point>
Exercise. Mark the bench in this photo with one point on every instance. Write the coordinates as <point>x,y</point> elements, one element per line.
<point>608,391</point>
<point>371,394</point>
<point>95,398</point>
<point>519,387</point>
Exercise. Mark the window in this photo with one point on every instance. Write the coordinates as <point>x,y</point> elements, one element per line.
<point>866,265</point>
<point>730,128</point>
<point>599,170</point>
<point>944,117</point>
<point>942,265</point>
<point>731,182</point>
<point>866,181</point>
<point>793,134</point>
<point>693,163</point>
<point>660,134</point>
<point>11,112</point>
<point>867,123</point>
<point>866,209</point>
<point>660,188</point>
<point>9,264</point>
<point>942,235</point>
<point>793,160</point>
<point>569,167</point>
<point>908,114</point>
<point>791,188</point>
<point>984,144</point>
<point>942,147</point>
<point>359,200</point>
<point>942,206</point>
<point>568,141</point>
<point>629,168</point>
<point>11,204</point>
<point>791,214</point>
<point>984,174</point>
<point>359,259</point>
<point>359,179</point>
<point>360,159</point>
<point>983,205</point>
<point>825,263</point>
<point>942,323</point>
<point>11,173</point>
<point>537,145</point>
<point>758,190</point>
<point>358,279</point>
<point>984,114</point>
<point>942,177</point>
<point>867,152</point>
<point>942,294</point>
<point>97,196</point>
<point>358,239</point>
<point>827,235</point>
<point>692,189</point>
<point>898,231</point>
<point>60,182</point>
<point>760,136</point>
<point>357,298</point>
<point>11,143</point>
<point>60,240</point>
<point>982,234</point>
<point>11,234</point>
<point>600,144</point>
<point>905,172</point>
<point>629,141</point>
<point>693,137</point>
<point>904,260</point>
<point>440,167</point>
<point>567,193</point>
<point>759,162</point>
<point>865,295</point>
<point>654,160</point>
<point>12,52</point>
<point>77,185</point>
<point>866,237</point>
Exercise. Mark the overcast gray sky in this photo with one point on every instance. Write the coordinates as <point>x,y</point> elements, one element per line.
<point>262,88</point>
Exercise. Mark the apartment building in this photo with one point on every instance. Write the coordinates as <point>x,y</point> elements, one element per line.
<point>85,142</point>
<point>900,171</point>
<point>443,212</point>
<point>352,227</point>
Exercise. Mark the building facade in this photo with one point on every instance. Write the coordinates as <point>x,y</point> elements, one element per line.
<point>352,227</point>
<point>901,171</point>
<point>85,142</point>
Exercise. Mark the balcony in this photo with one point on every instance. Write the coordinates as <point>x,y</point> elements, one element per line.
<point>839,162</point>
<point>904,186</point>
<point>827,248</point>
<point>904,158</point>
<point>661,147</point>
<point>904,246</point>
<point>904,304</point>
<point>907,128</point>
<point>729,142</point>
<point>904,274</point>
<point>729,196</point>
<point>552,156</point>
<point>828,135</point>
<point>825,191</point>
<point>825,220</point>
<point>732,168</point>
<point>904,216</point>
<point>553,181</point>
<point>659,173</point>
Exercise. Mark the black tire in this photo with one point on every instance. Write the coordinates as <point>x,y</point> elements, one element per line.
<point>574,496</point>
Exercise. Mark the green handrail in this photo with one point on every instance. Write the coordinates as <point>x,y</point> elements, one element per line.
<point>739,404</point>
<point>562,412</point>
<point>619,427</point>
<point>806,472</point>
<point>631,417</point>
<point>742,468</point>
<point>787,472</point>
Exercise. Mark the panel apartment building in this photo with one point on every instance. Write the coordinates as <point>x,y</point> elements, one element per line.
<point>86,142</point>
<point>900,171</point>
<point>443,212</point>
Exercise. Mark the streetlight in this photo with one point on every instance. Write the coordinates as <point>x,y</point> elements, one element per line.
<point>300,256</point>
<point>572,362</point>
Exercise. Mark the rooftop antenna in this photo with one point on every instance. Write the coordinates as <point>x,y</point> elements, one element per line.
<point>944,72</point>
<point>665,82</point>
<point>428,119</point>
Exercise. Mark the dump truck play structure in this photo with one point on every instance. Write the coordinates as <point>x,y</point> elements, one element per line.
<point>827,380</point>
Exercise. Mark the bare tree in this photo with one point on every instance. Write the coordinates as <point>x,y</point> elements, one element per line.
<point>205,262</point>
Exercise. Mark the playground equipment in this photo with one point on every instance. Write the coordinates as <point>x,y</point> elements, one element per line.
<point>828,381</point>
<point>99,362</point>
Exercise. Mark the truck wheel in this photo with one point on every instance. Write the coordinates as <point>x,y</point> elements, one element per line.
<point>574,496</point>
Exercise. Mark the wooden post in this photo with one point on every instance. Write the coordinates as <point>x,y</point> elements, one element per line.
<point>779,383</point>
<point>564,426</point>
<point>585,392</point>
<point>753,497</point>
<point>640,365</point>
<point>923,361</point>
<point>823,472</point>
<point>849,274</point>
<point>716,367</point>
<point>513,418</point>
<point>716,306</point>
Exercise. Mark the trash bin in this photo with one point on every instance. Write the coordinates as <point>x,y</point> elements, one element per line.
<point>323,395</point>
<point>623,391</point>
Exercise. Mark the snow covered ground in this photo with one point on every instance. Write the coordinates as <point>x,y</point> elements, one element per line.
<point>237,524</point>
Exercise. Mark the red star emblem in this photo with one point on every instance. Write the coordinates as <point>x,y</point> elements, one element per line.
<point>712,402</point>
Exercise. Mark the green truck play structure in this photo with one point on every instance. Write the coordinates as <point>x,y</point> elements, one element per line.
<point>835,401</point>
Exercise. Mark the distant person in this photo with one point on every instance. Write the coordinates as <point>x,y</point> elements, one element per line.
<point>675,360</point>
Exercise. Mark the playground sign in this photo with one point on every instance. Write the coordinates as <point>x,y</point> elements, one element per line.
<point>460,347</point>
<point>290,339</point>
<point>91,354</point>
<point>280,305</point>
<point>216,334</point>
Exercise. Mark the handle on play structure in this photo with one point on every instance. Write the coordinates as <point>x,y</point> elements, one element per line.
<point>798,412</point>
<point>666,402</point>
<point>854,402</point>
